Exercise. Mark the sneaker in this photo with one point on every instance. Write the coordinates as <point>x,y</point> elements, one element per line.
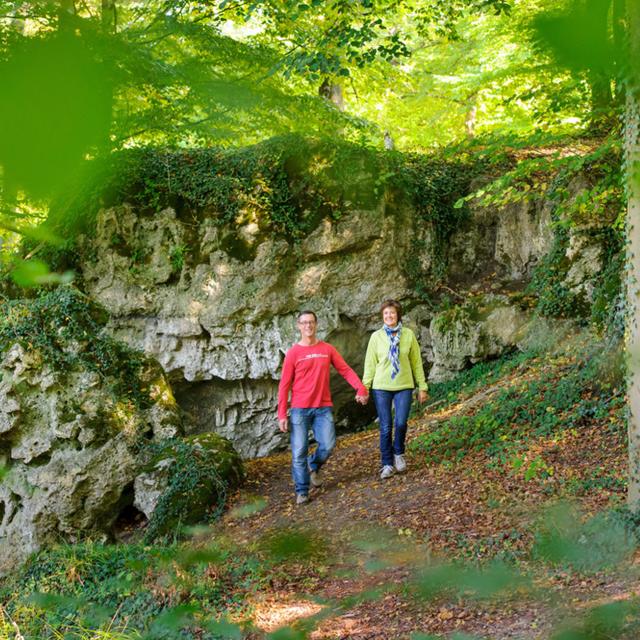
<point>302,498</point>
<point>387,472</point>
<point>399,463</point>
<point>315,477</point>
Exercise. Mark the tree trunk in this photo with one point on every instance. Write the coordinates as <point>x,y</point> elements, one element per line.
<point>66,15</point>
<point>632,152</point>
<point>108,16</point>
<point>470,116</point>
<point>332,92</point>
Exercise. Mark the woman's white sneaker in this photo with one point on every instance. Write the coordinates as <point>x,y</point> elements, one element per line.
<point>399,463</point>
<point>387,472</point>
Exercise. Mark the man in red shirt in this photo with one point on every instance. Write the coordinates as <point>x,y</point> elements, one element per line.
<point>306,373</point>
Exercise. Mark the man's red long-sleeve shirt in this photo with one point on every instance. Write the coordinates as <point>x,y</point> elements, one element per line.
<point>306,372</point>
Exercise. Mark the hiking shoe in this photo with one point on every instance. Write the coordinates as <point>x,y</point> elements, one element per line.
<point>387,472</point>
<point>302,498</point>
<point>315,477</point>
<point>399,463</point>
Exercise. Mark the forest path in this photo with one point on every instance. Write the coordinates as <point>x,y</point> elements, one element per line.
<point>376,534</point>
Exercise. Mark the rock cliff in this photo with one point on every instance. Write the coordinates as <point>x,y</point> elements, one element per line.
<point>219,320</point>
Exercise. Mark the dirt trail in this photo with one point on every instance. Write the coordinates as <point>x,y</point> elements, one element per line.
<point>430,510</point>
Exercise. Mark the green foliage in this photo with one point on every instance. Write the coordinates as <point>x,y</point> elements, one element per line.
<point>569,394</point>
<point>480,375</point>
<point>163,591</point>
<point>67,330</point>
<point>285,185</point>
<point>200,471</point>
<point>581,178</point>
<point>608,307</point>
<point>434,184</point>
<point>177,256</point>
<point>555,298</point>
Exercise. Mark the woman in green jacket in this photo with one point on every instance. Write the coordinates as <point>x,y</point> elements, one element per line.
<point>393,368</point>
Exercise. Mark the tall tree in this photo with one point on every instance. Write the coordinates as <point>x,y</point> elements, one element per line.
<point>632,153</point>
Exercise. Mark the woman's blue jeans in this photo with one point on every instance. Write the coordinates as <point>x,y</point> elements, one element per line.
<point>320,421</point>
<point>401,402</point>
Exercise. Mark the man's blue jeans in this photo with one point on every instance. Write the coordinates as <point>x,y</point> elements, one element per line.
<point>401,402</point>
<point>320,421</point>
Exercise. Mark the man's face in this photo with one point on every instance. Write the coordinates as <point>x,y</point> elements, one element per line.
<point>307,325</point>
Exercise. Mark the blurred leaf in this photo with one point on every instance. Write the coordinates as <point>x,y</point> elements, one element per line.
<point>293,543</point>
<point>287,633</point>
<point>245,510</point>
<point>601,623</point>
<point>224,629</point>
<point>564,539</point>
<point>579,36</point>
<point>172,620</point>
<point>56,602</point>
<point>481,583</point>
<point>33,273</point>
<point>190,557</point>
<point>55,106</point>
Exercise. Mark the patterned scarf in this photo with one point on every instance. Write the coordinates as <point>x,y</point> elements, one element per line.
<point>394,347</point>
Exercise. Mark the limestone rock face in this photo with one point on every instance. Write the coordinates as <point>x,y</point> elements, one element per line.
<point>468,334</point>
<point>67,449</point>
<point>220,324</point>
<point>508,241</point>
<point>216,305</point>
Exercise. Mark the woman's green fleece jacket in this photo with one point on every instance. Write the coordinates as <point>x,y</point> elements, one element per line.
<point>377,367</point>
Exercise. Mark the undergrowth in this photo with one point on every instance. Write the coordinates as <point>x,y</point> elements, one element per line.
<point>566,390</point>
<point>78,591</point>
<point>483,374</point>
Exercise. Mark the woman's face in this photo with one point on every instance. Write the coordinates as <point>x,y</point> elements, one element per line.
<point>390,316</point>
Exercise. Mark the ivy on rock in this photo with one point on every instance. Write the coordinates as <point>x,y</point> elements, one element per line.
<point>67,330</point>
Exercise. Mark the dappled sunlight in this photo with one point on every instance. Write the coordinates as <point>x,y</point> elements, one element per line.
<point>309,280</point>
<point>271,614</point>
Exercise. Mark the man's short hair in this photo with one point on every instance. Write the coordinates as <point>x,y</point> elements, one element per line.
<point>307,312</point>
<point>392,303</point>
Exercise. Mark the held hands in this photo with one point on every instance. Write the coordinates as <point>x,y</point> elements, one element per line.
<point>422,396</point>
<point>362,399</point>
<point>283,424</point>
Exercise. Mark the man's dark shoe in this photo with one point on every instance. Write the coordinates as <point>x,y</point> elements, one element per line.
<point>316,478</point>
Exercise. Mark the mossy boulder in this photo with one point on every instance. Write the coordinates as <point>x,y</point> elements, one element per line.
<point>185,481</point>
<point>75,405</point>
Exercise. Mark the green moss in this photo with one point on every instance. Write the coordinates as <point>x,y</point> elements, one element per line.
<point>203,467</point>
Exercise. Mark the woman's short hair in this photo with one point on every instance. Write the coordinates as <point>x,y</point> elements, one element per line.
<point>392,303</point>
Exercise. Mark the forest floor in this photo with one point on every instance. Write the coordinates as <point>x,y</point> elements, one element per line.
<point>358,560</point>
<point>506,524</point>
